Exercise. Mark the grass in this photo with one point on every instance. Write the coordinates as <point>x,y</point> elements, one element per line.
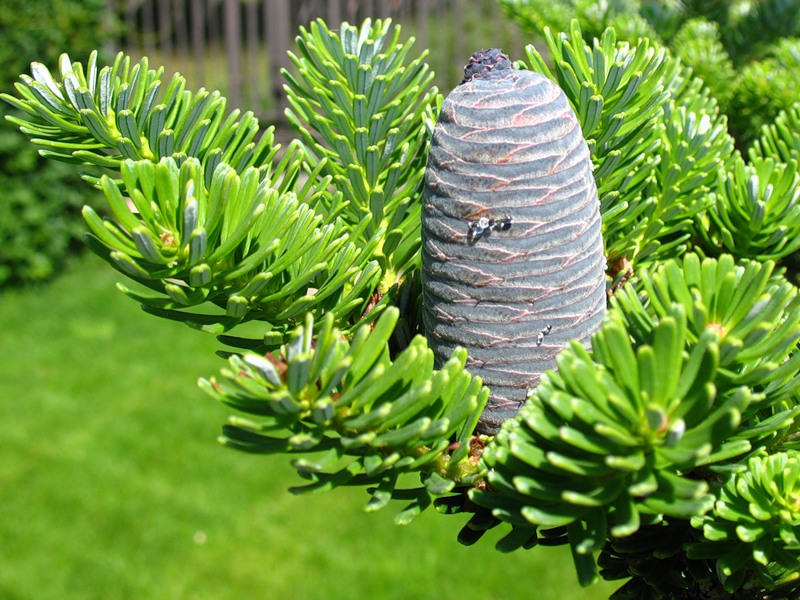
<point>112,484</point>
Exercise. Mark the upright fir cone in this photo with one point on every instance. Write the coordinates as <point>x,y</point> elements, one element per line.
<point>513,261</point>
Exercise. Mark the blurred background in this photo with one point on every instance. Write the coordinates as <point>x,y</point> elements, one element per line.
<point>111,481</point>
<point>239,47</point>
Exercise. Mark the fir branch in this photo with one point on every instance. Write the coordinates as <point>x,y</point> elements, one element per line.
<point>755,213</point>
<point>244,237</point>
<point>606,444</point>
<point>618,93</point>
<point>755,313</point>
<point>657,139</point>
<point>101,116</point>
<point>780,140</point>
<point>692,371</point>
<point>752,533</point>
<point>369,417</point>
<point>695,147</point>
<point>238,245</point>
<point>364,111</point>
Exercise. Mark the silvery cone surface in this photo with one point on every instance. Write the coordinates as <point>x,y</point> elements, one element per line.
<point>513,261</point>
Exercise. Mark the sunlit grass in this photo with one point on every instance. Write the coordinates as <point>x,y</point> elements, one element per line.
<point>112,484</point>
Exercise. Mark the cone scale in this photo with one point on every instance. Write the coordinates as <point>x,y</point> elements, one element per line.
<point>513,261</point>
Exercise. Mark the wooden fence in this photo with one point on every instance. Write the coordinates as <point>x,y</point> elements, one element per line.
<point>239,46</point>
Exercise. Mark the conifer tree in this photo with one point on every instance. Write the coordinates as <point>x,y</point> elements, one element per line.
<point>662,448</point>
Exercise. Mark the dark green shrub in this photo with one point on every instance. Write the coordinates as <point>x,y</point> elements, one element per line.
<point>40,221</point>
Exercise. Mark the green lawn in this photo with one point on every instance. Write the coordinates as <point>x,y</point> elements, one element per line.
<point>112,484</point>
